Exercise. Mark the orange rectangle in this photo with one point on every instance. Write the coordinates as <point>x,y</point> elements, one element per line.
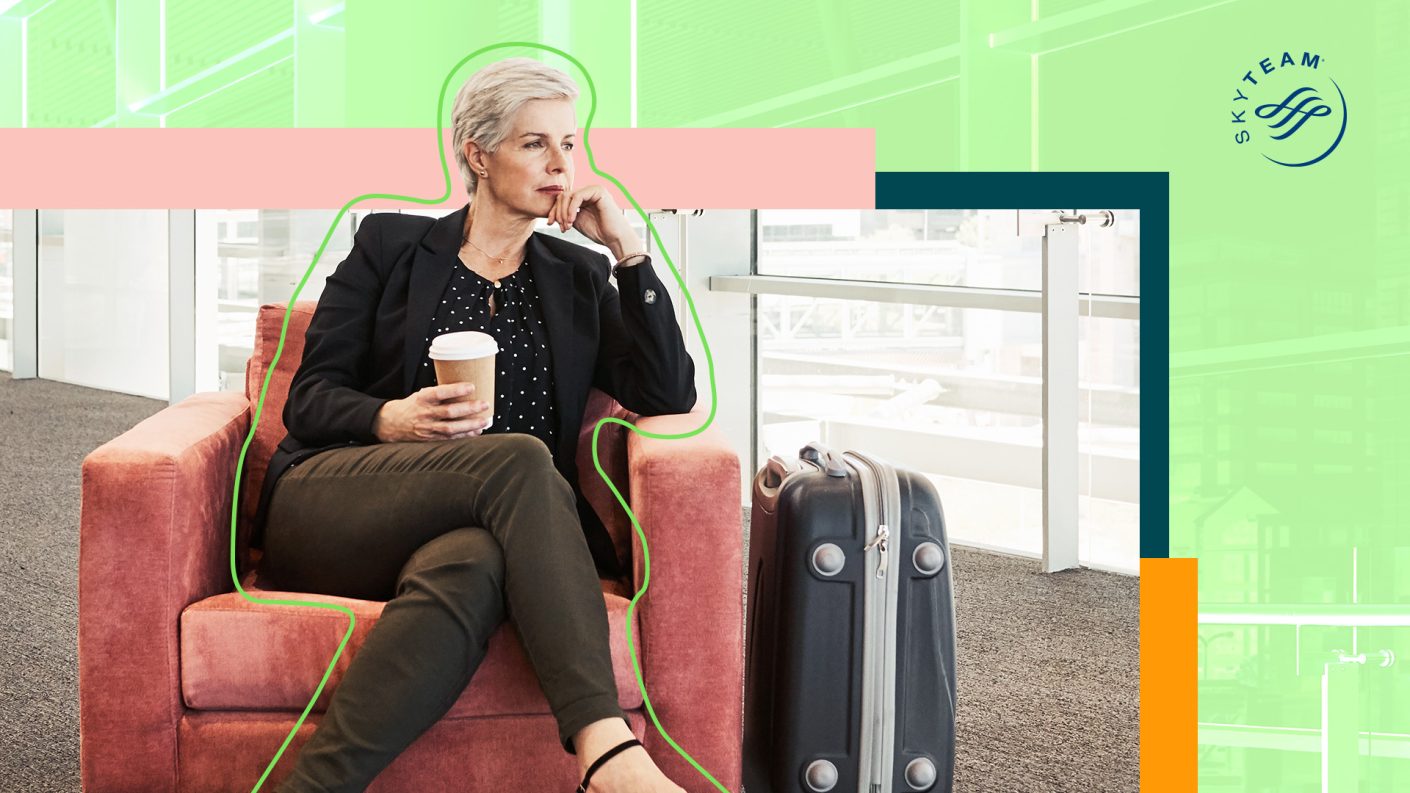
<point>1169,685</point>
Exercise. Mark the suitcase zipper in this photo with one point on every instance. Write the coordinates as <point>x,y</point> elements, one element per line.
<point>880,681</point>
<point>877,592</point>
<point>882,534</point>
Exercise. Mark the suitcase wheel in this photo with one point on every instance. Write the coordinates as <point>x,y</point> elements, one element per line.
<point>920,773</point>
<point>928,558</point>
<point>828,559</point>
<point>820,775</point>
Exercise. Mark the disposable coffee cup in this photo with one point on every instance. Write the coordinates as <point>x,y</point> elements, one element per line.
<point>467,357</point>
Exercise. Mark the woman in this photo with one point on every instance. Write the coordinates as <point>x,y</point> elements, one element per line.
<point>388,487</point>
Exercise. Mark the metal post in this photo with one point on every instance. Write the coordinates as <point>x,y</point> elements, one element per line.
<point>1060,390</point>
<point>182,338</point>
<point>1060,417</point>
<point>25,338</point>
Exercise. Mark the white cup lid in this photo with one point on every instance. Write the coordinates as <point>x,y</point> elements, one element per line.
<point>463,345</point>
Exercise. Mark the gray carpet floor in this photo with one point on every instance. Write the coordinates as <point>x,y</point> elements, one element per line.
<point>1047,667</point>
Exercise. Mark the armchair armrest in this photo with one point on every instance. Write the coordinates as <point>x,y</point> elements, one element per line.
<point>153,538</point>
<point>686,495</point>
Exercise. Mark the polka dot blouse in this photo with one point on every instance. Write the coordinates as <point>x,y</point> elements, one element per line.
<point>523,377</point>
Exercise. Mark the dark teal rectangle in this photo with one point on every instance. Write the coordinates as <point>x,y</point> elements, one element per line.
<point>1148,192</point>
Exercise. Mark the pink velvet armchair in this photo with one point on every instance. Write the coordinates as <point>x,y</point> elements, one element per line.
<point>184,685</point>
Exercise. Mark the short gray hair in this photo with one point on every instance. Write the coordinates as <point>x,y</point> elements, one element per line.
<point>485,105</point>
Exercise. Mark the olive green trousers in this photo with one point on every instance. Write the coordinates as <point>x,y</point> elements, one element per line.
<point>456,536</point>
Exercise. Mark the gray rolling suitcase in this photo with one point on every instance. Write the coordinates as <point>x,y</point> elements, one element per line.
<point>850,643</point>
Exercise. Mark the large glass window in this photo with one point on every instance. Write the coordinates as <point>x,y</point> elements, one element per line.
<point>260,255</point>
<point>954,393</point>
<point>103,299</point>
<point>1108,437</point>
<point>1109,380</point>
<point>931,246</point>
<point>7,290</point>
<point>952,247</point>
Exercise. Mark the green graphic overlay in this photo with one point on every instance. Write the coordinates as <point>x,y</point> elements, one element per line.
<point>646,555</point>
<point>1289,288</point>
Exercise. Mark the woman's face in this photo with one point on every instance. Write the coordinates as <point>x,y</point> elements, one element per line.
<point>538,152</point>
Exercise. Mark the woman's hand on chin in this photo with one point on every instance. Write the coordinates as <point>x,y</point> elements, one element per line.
<point>435,413</point>
<point>592,212</point>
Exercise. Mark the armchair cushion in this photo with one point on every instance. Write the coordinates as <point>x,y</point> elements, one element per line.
<point>238,655</point>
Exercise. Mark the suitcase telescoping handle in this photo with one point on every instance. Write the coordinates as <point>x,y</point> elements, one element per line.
<point>824,458</point>
<point>770,478</point>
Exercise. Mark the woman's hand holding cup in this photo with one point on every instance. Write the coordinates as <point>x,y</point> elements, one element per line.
<point>435,413</point>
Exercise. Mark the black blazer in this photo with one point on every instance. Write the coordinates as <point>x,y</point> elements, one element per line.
<point>369,332</point>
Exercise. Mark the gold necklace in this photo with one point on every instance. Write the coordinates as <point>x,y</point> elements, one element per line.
<point>499,259</point>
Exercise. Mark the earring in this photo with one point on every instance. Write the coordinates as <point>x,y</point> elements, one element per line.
<point>484,173</point>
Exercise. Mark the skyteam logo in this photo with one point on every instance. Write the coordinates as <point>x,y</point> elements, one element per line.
<point>1292,112</point>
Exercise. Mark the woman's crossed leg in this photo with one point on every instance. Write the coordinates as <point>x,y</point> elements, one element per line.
<point>400,521</point>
